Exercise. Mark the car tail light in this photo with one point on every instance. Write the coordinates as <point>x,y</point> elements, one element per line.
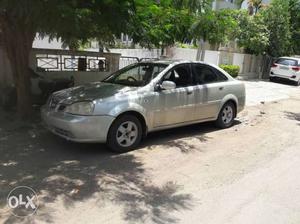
<point>274,66</point>
<point>296,68</point>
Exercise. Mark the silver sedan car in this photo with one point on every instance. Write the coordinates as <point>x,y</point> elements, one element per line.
<point>143,98</point>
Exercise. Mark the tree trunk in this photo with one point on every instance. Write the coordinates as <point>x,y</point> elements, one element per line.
<point>200,52</point>
<point>18,42</point>
<point>162,51</point>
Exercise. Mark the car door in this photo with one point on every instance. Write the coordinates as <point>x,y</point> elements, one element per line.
<point>177,105</point>
<point>211,89</point>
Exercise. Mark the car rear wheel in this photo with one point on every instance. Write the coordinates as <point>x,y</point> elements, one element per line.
<point>125,134</point>
<point>226,115</point>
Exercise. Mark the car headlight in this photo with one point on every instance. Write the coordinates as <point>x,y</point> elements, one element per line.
<point>81,108</point>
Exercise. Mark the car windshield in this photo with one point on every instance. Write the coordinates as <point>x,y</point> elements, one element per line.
<point>136,75</point>
<point>286,61</point>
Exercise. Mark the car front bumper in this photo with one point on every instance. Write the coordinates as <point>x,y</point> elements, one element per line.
<point>77,128</point>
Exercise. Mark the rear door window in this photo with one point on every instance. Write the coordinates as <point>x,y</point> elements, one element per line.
<point>286,61</point>
<point>204,74</point>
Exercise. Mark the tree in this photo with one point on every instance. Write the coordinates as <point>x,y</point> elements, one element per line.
<point>294,8</point>
<point>216,27</point>
<point>194,6</point>
<point>252,33</point>
<point>20,21</point>
<point>254,6</point>
<point>159,24</point>
<point>277,18</point>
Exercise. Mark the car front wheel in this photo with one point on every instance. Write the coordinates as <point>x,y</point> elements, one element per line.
<point>125,134</point>
<point>226,115</point>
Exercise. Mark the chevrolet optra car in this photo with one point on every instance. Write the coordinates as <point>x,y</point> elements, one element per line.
<point>143,98</point>
<point>286,68</point>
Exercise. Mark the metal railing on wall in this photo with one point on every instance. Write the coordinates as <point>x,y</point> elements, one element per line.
<point>50,60</point>
<point>61,62</point>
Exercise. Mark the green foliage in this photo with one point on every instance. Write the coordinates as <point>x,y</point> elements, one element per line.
<point>195,6</point>
<point>277,19</point>
<point>215,26</point>
<point>232,70</point>
<point>294,8</point>
<point>69,20</point>
<point>159,24</point>
<point>74,21</point>
<point>272,30</point>
<point>252,33</point>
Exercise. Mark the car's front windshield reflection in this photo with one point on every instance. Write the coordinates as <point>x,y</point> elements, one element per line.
<point>136,75</point>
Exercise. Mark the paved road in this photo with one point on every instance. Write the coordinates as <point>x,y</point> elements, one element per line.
<point>258,91</point>
<point>197,174</point>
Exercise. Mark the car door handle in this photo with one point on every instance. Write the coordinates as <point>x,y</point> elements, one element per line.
<point>221,88</point>
<point>189,92</point>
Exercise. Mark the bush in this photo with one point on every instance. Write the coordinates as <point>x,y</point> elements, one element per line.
<point>233,70</point>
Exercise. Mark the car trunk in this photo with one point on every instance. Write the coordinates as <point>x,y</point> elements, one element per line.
<point>284,67</point>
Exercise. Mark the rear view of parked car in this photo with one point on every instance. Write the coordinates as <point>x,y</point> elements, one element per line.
<point>286,68</point>
<point>142,98</point>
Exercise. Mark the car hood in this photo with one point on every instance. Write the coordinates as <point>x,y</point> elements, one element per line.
<point>91,91</point>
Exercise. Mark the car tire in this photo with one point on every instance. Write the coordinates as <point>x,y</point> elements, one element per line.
<point>272,79</point>
<point>226,115</point>
<point>125,134</point>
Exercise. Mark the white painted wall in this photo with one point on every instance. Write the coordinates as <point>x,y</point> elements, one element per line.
<point>183,53</point>
<point>238,59</point>
<point>212,57</point>
<point>140,53</point>
<point>46,43</point>
<point>223,4</point>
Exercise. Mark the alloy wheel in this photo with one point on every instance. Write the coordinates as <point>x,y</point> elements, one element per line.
<point>127,134</point>
<point>227,114</point>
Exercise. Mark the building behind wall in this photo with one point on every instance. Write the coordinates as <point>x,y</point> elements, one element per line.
<point>224,4</point>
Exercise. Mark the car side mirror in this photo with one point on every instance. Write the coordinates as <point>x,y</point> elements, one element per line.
<point>168,85</point>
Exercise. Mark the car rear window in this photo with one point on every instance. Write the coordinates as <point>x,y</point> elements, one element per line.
<point>286,61</point>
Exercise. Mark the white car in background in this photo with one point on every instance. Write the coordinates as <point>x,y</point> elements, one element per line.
<point>286,68</point>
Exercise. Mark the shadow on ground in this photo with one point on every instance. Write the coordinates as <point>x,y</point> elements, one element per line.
<point>178,138</point>
<point>55,168</point>
<point>293,116</point>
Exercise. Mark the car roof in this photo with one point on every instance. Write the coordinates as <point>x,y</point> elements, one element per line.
<point>174,61</point>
